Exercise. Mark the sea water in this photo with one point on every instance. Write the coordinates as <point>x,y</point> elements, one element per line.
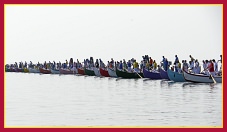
<point>74,101</point>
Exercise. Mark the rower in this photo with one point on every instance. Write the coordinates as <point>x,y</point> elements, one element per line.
<point>136,66</point>
<point>129,65</point>
<point>155,65</point>
<point>211,68</point>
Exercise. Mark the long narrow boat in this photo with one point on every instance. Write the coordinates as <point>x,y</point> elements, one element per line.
<point>44,71</point>
<point>163,74</point>
<point>55,71</point>
<point>7,70</point>
<point>104,72</point>
<point>151,75</point>
<point>97,72</point>
<point>200,78</point>
<point>26,70</point>
<point>175,76</point>
<point>33,70</point>
<point>12,69</point>
<point>125,74</point>
<point>19,70</point>
<point>112,72</point>
<point>67,71</point>
<point>80,71</point>
<point>89,72</point>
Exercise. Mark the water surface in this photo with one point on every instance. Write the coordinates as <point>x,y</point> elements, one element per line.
<point>70,100</point>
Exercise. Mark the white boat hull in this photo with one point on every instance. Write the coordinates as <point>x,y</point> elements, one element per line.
<point>200,78</point>
<point>97,72</point>
<point>32,70</point>
<point>112,73</point>
<point>55,71</point>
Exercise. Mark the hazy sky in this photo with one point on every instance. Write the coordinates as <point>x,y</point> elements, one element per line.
<point>47,32</point>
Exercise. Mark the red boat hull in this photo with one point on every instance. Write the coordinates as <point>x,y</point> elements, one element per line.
<point>104,72</point>
<point>44,71</point>
<point>66,71</point>
<point>81,71</point>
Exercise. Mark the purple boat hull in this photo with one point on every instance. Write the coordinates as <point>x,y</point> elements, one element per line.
<point>151,75</point>
<point>164,74</point>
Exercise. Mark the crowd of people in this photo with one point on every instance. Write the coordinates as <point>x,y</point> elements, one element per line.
<point>132,65</point>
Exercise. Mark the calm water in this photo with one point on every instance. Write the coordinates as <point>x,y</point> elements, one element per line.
<point>70,100</point>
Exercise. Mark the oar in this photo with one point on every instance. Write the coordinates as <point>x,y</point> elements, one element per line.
<point>137,73</point>
<point>212,76</point>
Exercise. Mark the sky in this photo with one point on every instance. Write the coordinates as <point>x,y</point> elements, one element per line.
<point>59,32</point>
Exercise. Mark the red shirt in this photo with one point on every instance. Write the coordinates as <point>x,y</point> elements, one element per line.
<point>151,61</point>
<point>211,67</point>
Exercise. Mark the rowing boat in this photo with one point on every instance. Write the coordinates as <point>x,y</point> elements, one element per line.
<point>26,70</point>
<point>201,78</point>
<point>125,74</point>
<point>163,74</point>
<point>112,72</point>
<point>7,70</point>
<point>55,71</point>
<point>97,72</point>
<point>104,72</point>
<point>33,70</point>
<point>80,71</point>
<point>12,69</point>
<point>151,74</point>
<point>19,70</point>
<point>67,71</point>
<point>44,71</point>
<point>89,71</point>
<point>175,76</point>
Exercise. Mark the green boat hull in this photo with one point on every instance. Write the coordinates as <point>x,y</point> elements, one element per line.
<point>89,72</point>
<point>128,75</point>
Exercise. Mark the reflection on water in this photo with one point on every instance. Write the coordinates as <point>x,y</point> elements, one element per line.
<point>72,100</point>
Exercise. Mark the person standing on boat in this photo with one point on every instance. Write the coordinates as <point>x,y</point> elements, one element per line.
<point>30,65</point>
<point>66,63</point>
<point>147,65</point>
<point>97,63</point>
<point>176,63</point>
<point>204,65</point>
<point>154,65</point>
<point>141,65</point>
<point>120,65</point>
<point>185,66</point>
<point>151,63</point>
<point>162,62</point>
<point>196,68</point>
<point>102,65</point>
<point>108,64</point>
<point>45,65</point>
<point>221,62</point>
<point>112,62</point>
<point>124,65</point>
<point>136,66</point>
<point>192,60</point>
<point>16,66</point>
<point>111,65</point>
<point>129,66</point>
<point>211,68</point>
<point>77,64</point>
<point>166,64</point>
<point>179,67</point>
<point>176,60</point>
<point>25,64</point>
<point>215,66</point>
<point>220,59</point>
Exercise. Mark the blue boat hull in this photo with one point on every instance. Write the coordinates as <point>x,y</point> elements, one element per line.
<point>175,76</point>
